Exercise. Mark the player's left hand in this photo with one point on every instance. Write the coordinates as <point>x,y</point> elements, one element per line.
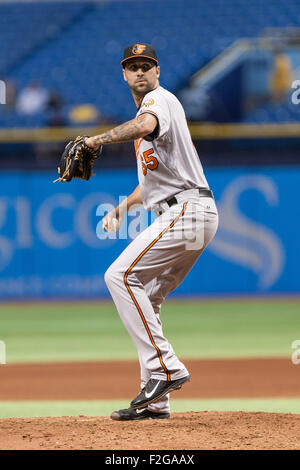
<point>112,221</point>
<point>77,160</point>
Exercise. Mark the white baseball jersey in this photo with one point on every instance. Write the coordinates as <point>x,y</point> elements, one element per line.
<point>168,161</point>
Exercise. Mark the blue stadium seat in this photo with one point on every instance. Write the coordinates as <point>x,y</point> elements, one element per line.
<point>75,48</point>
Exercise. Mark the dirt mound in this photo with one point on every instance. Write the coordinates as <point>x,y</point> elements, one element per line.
<point>205,430</point>
<point>273,377</point>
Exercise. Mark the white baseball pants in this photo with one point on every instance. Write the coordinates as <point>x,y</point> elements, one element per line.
<point>153,265</point>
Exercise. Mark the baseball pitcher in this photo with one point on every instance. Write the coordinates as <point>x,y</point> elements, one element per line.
<point>173,185</point>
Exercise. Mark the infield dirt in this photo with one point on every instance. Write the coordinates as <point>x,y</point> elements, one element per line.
<point>205,430</point>
<point>248,378</point>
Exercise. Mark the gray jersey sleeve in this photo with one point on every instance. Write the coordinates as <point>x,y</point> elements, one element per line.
<point>157,106</point>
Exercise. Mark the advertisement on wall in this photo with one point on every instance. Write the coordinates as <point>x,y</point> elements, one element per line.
<point>52,244</point>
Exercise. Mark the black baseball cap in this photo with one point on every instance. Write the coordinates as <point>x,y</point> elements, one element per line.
<point>139,50</point>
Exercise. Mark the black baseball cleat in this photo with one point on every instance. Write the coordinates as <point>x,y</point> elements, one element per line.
<point>156,389</point>
<point>130,414</point>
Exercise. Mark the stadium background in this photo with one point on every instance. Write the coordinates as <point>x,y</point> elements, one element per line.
<point>234,65</point>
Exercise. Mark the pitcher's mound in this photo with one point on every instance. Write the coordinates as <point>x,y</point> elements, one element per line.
<point>204,430</point>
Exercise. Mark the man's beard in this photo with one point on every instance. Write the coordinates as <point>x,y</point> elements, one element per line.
<point>142,91</point>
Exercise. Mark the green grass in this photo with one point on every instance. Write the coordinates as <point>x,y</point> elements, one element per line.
<point>93,331</point>
<point>24,409</point>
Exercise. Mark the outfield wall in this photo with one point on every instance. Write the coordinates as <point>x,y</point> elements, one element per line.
<point>49,247</point>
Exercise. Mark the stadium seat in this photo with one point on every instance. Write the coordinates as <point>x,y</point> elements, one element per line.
<point>78,51</point>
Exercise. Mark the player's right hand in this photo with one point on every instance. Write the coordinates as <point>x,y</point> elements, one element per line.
<point>112,221</point>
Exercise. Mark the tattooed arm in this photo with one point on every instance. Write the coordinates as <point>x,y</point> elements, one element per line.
<point>130,130</point>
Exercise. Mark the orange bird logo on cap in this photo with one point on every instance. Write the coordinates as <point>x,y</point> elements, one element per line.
<point>138,48</point>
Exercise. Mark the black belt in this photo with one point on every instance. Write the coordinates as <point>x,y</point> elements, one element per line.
<point>203,192</point>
